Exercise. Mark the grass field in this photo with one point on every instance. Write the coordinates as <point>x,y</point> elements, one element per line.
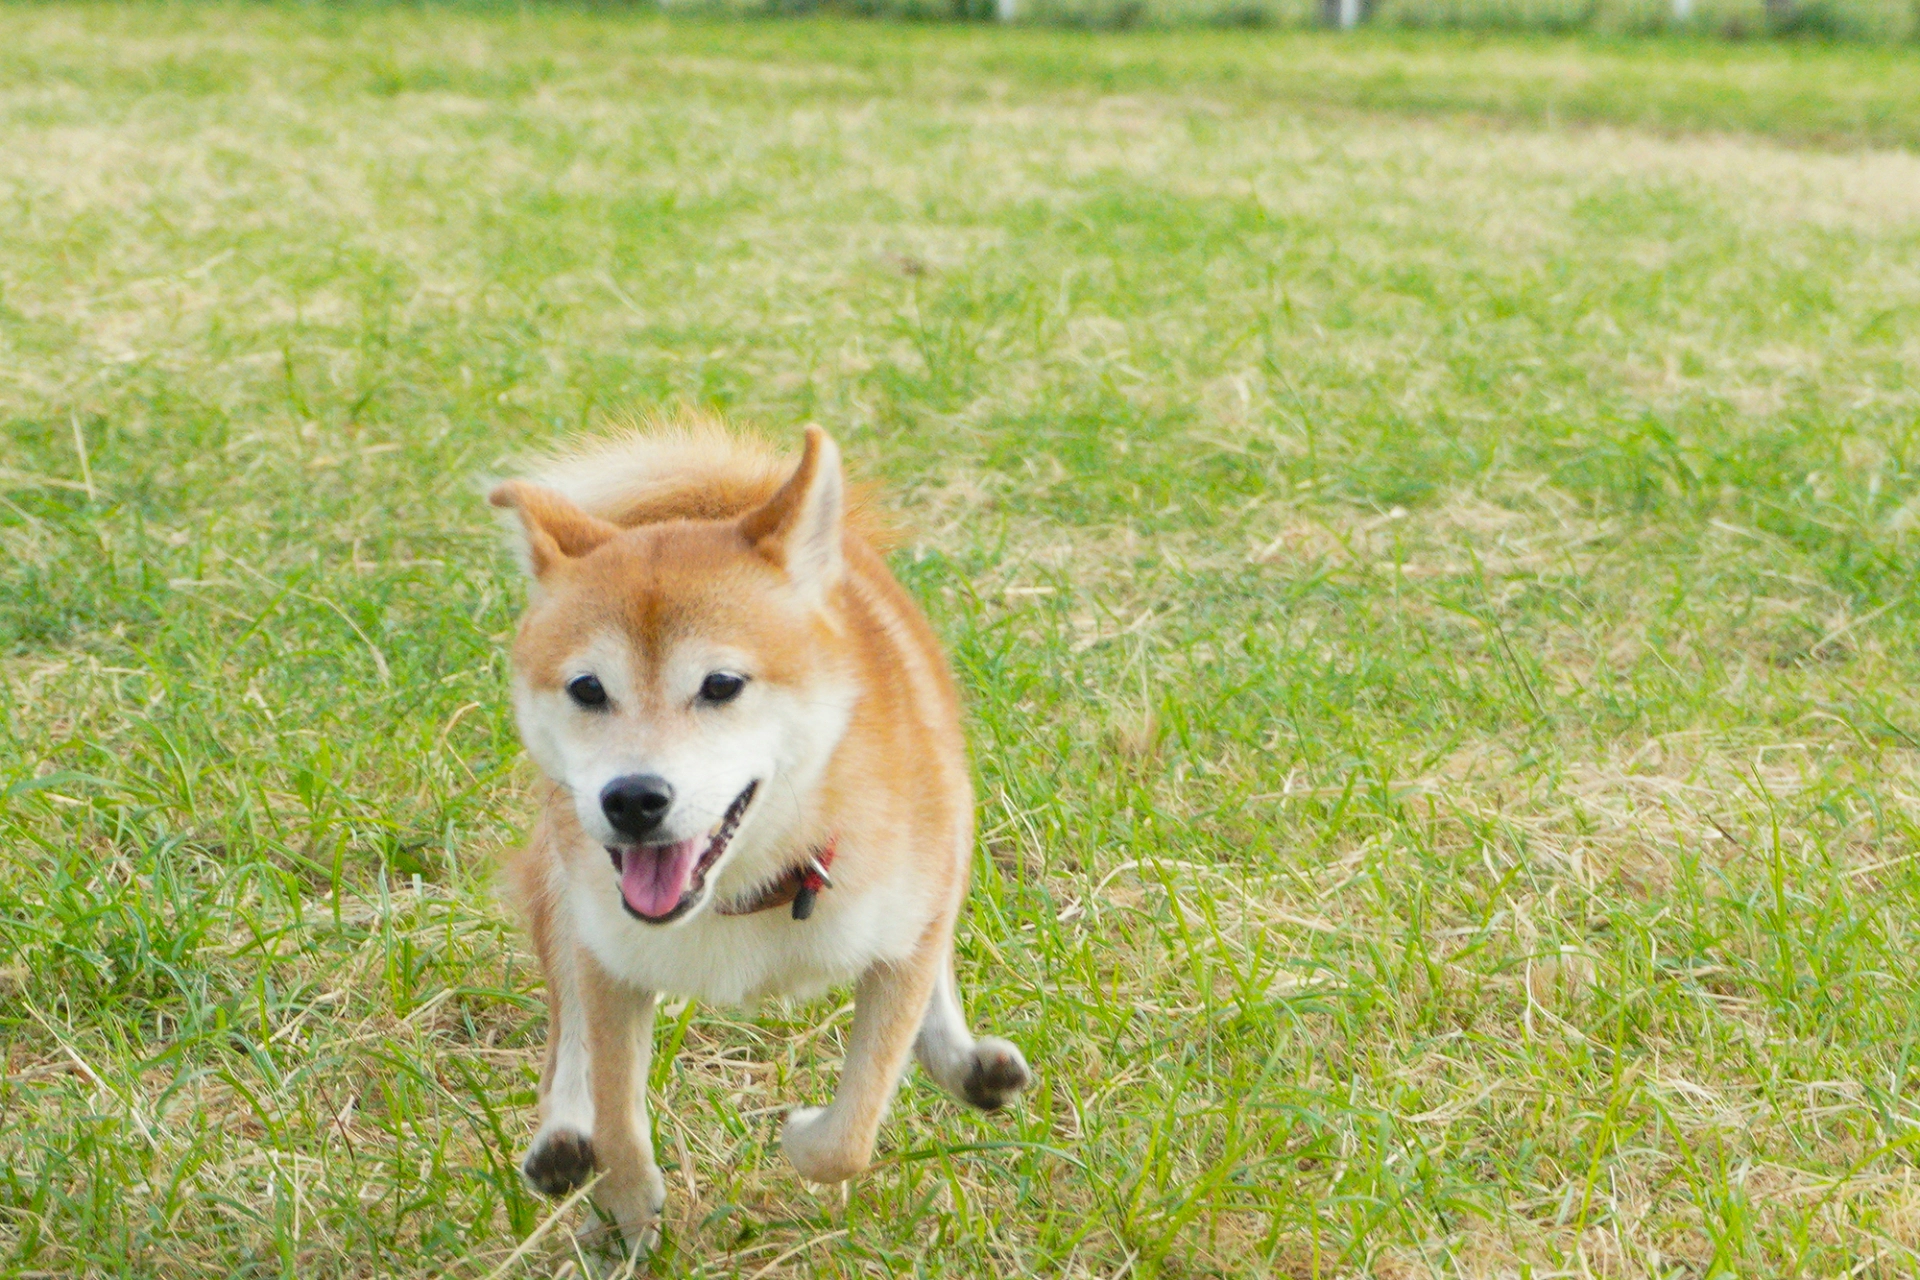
<point>1426,528</point>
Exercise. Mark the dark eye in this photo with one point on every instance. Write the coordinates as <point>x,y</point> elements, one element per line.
<point>721,686</point>
<point>587,691</point>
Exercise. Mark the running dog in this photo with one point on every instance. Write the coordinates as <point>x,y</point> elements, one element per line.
<point>755,785</point>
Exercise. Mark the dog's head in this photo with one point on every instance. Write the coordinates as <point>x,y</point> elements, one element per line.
<point>682,680</point>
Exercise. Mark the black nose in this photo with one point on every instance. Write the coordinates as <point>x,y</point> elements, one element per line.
<point>636,803</point>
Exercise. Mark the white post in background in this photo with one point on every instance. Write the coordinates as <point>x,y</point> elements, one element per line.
<point>1007,10</point>
<point>1349,14</point>
<point>1683,10</point>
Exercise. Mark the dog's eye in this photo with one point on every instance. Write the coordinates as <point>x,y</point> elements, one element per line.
<point>721,686</point>
<point>587,691</point>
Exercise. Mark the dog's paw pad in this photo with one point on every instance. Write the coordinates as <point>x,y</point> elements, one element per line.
<point>560,1163</point>
<point>998,1073</point>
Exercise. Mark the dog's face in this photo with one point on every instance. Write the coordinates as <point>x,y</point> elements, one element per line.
<point>681,680</point>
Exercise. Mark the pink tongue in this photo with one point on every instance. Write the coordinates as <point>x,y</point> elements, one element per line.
<point>653,877</point>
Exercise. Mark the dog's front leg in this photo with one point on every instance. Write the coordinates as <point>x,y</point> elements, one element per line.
<point>987,1072</point>
<point>619,1049</point>
<point>833,1143</point>
<point>593,1093</point>
<point>561,1157</point>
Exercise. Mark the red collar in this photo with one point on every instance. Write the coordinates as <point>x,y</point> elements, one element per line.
<point>800,886</point>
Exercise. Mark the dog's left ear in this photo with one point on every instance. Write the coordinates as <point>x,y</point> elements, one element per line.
<point>798,528</point>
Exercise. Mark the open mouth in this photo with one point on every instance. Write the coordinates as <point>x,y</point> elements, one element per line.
<point>659,882</point>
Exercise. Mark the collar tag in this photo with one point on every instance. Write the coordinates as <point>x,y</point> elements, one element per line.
<point>802,886</point>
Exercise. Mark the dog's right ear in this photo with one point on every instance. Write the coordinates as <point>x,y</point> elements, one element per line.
<point>556,530</point>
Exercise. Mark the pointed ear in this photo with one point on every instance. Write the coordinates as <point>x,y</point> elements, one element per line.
<point>798,528</point>
<point>555,529</point>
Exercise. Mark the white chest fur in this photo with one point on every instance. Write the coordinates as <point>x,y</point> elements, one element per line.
<point>739,959</point>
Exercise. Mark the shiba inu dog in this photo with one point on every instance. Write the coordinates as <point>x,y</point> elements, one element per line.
<point>756,785</point>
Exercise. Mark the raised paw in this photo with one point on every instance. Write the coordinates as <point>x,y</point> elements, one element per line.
<point>997,1074</point>
<point>559,1163</point>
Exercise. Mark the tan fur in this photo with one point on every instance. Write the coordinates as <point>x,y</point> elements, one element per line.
<point>659,559</point>
<point>690,467</point>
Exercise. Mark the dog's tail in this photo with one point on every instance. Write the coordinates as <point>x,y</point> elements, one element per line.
<point>688,467</point>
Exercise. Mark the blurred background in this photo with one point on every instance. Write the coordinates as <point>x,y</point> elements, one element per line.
<point>1873,20</point>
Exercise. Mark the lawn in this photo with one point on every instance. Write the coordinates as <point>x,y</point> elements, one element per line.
<point>1426,527</point>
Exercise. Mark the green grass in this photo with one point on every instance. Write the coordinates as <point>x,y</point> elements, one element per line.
<point>1433,581</point>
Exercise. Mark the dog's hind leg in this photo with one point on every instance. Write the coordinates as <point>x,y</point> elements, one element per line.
<point>987,1072</point>
<point>833,1143</point>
